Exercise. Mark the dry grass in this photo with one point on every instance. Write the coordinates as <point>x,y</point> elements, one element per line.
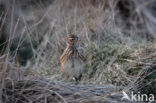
<point>41,90</point>
<point>117,36</point>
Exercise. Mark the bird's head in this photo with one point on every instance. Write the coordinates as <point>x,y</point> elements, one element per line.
<point>72,39</point>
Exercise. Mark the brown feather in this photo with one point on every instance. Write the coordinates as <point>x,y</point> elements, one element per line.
<point>71,52</point>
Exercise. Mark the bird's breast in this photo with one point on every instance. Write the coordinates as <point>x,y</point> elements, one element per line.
<point>73,67</point>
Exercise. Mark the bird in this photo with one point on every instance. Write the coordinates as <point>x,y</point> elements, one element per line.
<point>72,59</point>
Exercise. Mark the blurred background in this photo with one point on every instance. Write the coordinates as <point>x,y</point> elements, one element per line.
<point>117,37</point>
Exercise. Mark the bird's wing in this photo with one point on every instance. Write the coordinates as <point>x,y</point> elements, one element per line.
<point>82,57</point>
<point>62,58</point>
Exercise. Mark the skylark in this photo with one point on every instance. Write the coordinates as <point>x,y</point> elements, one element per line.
<point>72,59</point>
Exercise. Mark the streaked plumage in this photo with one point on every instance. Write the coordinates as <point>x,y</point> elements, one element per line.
<point>72,59</point>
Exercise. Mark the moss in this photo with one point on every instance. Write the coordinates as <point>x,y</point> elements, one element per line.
<point>98,56</point>
<point>124,55</point>
<point>134,70</point>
